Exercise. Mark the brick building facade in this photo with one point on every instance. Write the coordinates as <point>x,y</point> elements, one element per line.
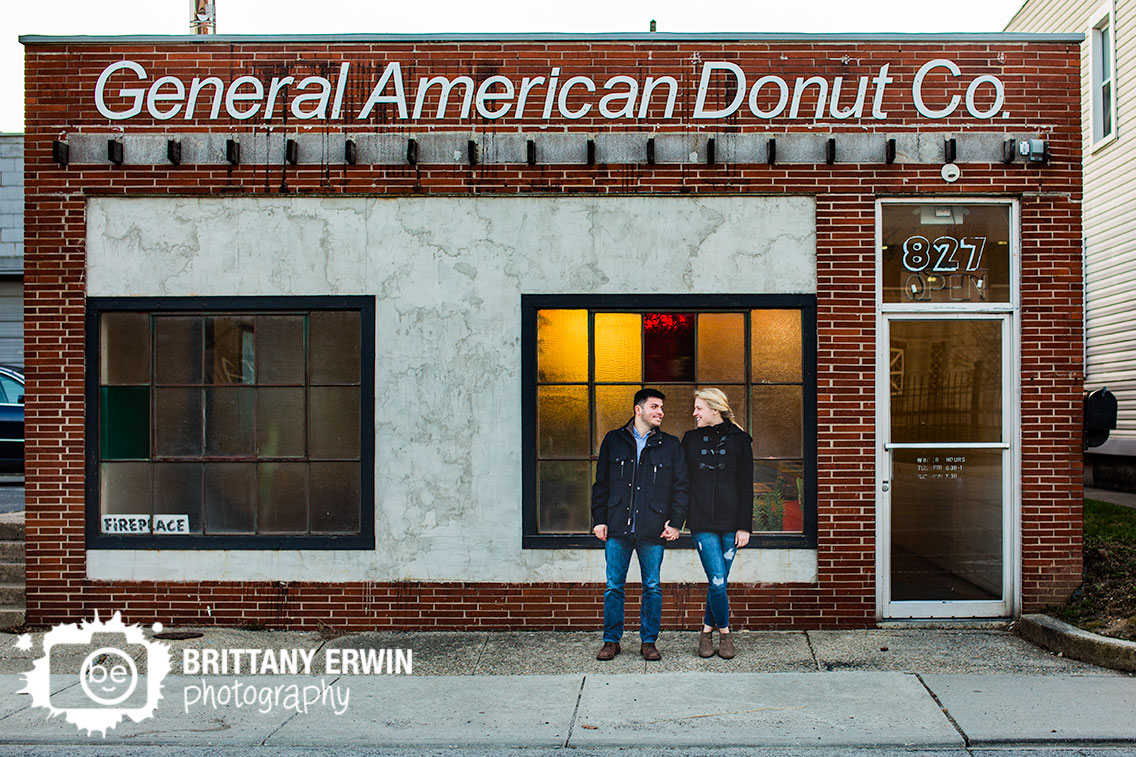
<point>307,345</point>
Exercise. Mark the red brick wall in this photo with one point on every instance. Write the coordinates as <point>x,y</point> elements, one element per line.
<point>1042,96</point>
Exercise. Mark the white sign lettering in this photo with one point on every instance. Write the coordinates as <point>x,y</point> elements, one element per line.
<point>940,468</point>
<point>136,108</point>
<point>498,97</point>
<point>947,264</point>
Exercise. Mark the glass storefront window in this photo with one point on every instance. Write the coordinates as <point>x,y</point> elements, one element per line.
<point>946,538</point>
<point>946,524</point>
<point>950,385</point>
<point>946,253</point>
<point>590,363</point>
<point>227,424</point>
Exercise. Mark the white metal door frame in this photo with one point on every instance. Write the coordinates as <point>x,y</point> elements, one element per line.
<point>1007,314</point>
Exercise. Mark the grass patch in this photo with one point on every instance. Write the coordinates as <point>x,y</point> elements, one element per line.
<point>1105,521</point>
<point>1106,603</point>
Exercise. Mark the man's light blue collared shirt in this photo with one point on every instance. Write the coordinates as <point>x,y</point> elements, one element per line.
<point>640,441</point>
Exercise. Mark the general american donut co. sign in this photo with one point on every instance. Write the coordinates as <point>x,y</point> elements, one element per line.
<point>125,89</point>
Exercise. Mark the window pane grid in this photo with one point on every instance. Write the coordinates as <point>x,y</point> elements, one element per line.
<point>196,434</point>
<point>563,504</point>
<point>1102,75</point>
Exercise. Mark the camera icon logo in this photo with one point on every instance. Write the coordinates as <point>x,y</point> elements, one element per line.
<point>108,682</point>
<point>117,681</point>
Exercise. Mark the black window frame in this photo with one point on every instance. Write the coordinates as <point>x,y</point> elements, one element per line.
<point>252,305</point>
<point>702,303</point>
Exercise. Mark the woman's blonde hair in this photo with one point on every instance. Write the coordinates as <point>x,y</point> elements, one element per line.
<point>715,399</point>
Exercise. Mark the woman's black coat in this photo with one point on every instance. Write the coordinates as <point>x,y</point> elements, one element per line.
<point>721,478</point>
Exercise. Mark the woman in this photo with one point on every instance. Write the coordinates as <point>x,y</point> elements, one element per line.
<point>720,456</point>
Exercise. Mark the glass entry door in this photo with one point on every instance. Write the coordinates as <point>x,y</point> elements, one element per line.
<point>945,467</point>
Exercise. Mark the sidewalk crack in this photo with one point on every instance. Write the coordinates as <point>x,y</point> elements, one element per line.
<point>809,641</point>
<point>575,712</point>
<point>29,705</point>
<point>480,654</point>
<point>950,718</point>
<point>293,716</point>
<point>264,741</point>
<point>323,644</point>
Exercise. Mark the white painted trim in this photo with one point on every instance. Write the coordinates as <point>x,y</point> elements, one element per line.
<point>948,307</point>
<point>1105,14</point>
<point>883,421</point>
<point>1097,146</point>
<point>948,445</point>
<point>1013,398</point>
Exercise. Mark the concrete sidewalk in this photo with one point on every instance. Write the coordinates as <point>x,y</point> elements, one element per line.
<point>899,688</point>
<point>1117,498</point>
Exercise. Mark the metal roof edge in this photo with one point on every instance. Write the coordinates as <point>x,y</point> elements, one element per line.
<point>223,39</point>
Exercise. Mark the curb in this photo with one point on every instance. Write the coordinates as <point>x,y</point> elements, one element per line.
<point>1077,644</point>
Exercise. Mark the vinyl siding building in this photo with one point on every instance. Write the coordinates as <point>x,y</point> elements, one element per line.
<point>1108,117</point>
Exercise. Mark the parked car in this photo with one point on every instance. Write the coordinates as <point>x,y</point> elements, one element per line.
<point>11,419</point>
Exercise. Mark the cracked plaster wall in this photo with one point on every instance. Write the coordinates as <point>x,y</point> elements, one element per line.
<point>447,274</point>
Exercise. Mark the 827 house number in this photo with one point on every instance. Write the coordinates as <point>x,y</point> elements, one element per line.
<point>947,261</point>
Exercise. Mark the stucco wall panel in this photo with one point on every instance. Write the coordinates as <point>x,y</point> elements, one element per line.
<point>448,273</point>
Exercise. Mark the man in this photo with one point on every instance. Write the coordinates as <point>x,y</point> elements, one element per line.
<point>641,486</point>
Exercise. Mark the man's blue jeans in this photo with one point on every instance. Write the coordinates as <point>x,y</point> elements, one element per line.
<point>618,554</point>
<point>717,551</point>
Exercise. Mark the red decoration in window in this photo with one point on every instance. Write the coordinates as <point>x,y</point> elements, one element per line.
<point>668,343</point>
<point>664,322</point>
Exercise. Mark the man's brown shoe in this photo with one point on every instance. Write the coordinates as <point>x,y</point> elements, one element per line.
<point>609,650</point>
<point>649,652</point>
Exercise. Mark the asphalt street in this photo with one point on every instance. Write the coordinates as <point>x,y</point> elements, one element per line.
<point>654,751</point>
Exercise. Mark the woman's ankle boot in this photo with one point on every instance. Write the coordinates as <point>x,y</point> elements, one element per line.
<point>725,645</point>
<point>706,644</point>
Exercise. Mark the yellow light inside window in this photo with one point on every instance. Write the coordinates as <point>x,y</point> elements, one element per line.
<point>562,345</point>
<point>619,347</point>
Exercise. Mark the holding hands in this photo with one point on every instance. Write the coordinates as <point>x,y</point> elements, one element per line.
<point>670,533</point>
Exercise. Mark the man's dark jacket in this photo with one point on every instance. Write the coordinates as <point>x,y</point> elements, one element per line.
<point>721,478</point>
<point>652,490</point>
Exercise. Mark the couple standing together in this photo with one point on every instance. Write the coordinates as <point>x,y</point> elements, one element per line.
<point>648,485</point>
